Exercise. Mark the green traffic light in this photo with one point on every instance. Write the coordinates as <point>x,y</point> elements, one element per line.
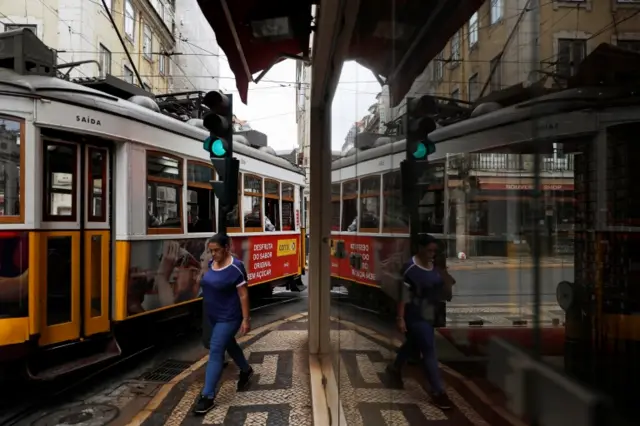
<point>423,149</point>
<point>216,147</point>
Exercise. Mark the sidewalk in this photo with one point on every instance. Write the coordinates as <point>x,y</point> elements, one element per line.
<point>281,392</point>
<point>499,262</point>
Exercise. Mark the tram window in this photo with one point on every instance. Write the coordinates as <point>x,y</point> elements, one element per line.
<point>60,166</point>
<point>164,187</point>
<point>272,205</point>
<point>200,198</point>
<point>335,207</point>
<point>11,163</point>
<point>350,206</point>
<point>233,217</point>
<point>97,185</point>
<point>252,204</point>
<point>370,204</point>
<point>395,218</point>
<point>431,212</point>
<point>288,219</point>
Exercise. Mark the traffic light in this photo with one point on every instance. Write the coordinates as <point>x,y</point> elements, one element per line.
<point>419,125</point>
<point>219,121</point>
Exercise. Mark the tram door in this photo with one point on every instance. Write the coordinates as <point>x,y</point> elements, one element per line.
<point>74,249</point>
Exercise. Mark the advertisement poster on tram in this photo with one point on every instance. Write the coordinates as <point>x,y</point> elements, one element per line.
<point>14,274</point>
<point>367,260</point>
<point>165,272</point>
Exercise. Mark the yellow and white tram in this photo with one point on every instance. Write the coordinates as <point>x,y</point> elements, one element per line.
<point>105,209</point>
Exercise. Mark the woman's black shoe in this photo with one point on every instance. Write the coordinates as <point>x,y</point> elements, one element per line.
<point>244,379</point>
<point>441,401</point>
<point>203,405</point>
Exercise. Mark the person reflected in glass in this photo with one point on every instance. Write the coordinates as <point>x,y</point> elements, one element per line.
<point>226,300</point>
<point>424,288</point>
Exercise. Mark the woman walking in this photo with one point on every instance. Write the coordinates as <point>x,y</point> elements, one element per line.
<point>424,288</point>
<point>226,301</point>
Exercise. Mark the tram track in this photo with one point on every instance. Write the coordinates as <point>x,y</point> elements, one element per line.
<point>49,395</point>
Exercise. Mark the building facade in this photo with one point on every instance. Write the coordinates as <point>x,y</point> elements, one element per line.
<point>82,31</point>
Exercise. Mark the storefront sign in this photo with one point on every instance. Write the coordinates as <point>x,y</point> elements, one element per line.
<point>525,187</point>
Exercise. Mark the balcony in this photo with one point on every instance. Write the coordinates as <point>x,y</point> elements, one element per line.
<point>520,162</point>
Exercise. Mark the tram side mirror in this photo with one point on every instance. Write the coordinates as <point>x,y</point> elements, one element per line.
<point>355,260</point>
<point>340,251</point>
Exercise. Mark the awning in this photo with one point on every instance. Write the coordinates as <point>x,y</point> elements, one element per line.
<point>251,47</point>
<point>397,39</point>
<point>394,39</point>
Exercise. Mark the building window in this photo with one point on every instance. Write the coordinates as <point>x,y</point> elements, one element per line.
<point>438,67</point>
<point>633,45</point>
<point>105,60</point>
<point>394,215</point>
<point>350,206</point>
<point>335,207</point>
<point>571,52</point>
<point>473,30</point>
<point>370,204</point>
<point>128,74</point>
<point>164,187</point>
<point>496,76</point>
<point>162,63</point>
<point>13,27</point>
<point>252,204</point>
<point>129,19</point>
<point>201,206</point>
<point>288,214</point>
<point>496,10</point>
<point>147,42</point>
<point>11,167</point>
<point>455,47</point>
<point>474,88</point>
<point>271,205</point>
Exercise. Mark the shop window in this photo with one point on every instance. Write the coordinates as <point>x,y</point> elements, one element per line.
<point>394,215</point>
<point>288,214</point>
<point>11,168</point>
<point>201,206</point>
<point>252,203</point>
<point>350,206</point>
<point>335,207</point>
<point>164,189</point>
<point>271,205</point>
<point>60,182</point>
<point>370,204</point>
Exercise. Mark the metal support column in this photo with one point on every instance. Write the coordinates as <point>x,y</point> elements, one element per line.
<point>320,232</point>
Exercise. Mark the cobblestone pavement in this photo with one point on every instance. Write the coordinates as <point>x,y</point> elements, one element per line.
<point>280,393</point>
<point>369,397</point>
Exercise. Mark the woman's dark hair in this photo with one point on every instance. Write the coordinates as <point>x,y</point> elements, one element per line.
<point>222,240</point>
<point>424,240</point>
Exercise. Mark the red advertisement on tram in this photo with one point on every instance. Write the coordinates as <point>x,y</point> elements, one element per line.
<point>363,259</point>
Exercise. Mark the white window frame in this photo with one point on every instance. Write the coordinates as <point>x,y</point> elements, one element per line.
<point>574,35</point>
<point>104,52</point>
<point>147,42</point>
<point>129,20</point>
<point>162,64</point>
<point>473,30</point>
<point>438,67</point>
<point>456,48</point>
<point>497,10</point>
<point>127,73</point>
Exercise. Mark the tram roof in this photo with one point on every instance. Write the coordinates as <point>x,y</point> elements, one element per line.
<point>564,101</point>
<point>56,89</point>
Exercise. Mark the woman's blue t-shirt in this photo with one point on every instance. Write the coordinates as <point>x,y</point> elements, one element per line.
<point>220,291</point>
<point>423,289</point>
